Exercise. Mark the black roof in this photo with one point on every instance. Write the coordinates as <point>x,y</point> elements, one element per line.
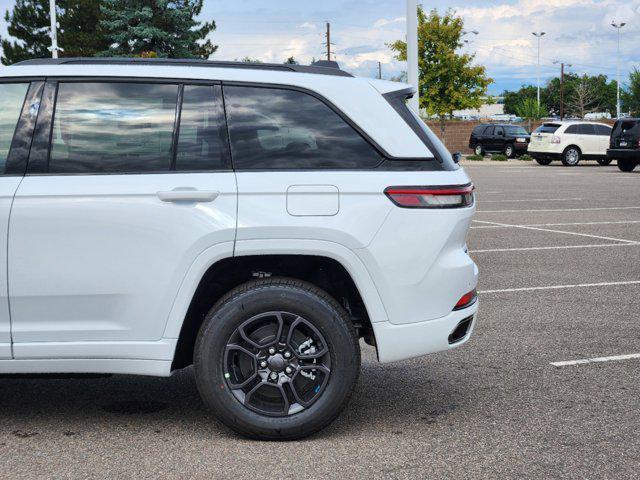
<point>321,67</point>
<point>499,125</point>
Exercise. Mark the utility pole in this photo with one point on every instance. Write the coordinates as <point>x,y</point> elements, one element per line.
<point>379,71</point>
<point>618,27</point>
<point>54,29</point>
<point>538,35</point>
<point>562,65</point>
<point>412,53</point>
<point>328,41</point>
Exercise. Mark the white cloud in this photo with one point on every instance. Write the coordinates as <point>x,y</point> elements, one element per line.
<point>308,25</point>
<point>384,22</point>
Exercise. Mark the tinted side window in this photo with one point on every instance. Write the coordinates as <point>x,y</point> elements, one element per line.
<point>587,129</point>
<point>11,99</point>
<point>488,130</point>
<point>573,129</point>
<point>274,128</point>
<point>602,130</point>
<point>113,128</point>
<point>202,137</point>
<point>499,131</point>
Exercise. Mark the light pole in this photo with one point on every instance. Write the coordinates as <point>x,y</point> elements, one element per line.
<point>412,53</point>
<point>618,27</point>
<point>54,29</point>
<point>539,35</point>
<point>562,65</point>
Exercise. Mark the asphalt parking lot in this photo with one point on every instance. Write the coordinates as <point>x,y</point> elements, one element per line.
<point>559,254</point>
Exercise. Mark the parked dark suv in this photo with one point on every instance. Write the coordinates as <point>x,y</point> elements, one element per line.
<point>511,140</point>
<point>624,144</point>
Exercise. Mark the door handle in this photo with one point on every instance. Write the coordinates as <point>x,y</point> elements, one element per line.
<point>188,195</point>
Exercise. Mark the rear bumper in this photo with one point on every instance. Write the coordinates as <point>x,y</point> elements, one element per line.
<point>400,342</point>
<point>624,154</point>
<point>546,155</point>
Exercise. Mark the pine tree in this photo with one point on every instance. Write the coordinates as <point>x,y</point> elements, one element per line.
<point>30,25</point>
<point>166,28</point>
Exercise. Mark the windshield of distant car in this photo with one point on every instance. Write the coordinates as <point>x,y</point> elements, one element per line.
<point>547,128</point>
<point>516,130</point>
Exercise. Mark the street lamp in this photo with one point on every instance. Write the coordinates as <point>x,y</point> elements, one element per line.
<point>539,35</point>
<point>618,27</point>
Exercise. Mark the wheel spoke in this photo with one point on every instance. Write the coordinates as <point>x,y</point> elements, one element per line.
<point>237,348</point>
<point>272,386</point>
<point>242,329</point>
<point>317,390</point>
<point>296,348</point>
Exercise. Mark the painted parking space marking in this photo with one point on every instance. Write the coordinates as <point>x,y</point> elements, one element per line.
<point>561,247</point>
<point>568,224</point>
<point>559,287</point>
<point>586,361</point>
<point>563,232</point>
<point>594,209</point>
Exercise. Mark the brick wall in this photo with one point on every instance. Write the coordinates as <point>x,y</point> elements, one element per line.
<point>457,133</point>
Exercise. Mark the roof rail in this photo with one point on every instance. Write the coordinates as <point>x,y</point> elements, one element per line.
<point>320,68</point>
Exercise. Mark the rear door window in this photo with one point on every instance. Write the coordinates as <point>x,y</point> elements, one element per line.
<point>113,128</point>
<point>12,97</point>
<point>587,129</point>
<point>488,131</point>
<point>573,130</point>
<point>272,128</point>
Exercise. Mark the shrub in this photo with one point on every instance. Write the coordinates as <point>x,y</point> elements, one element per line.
<point>498,157</point>
<point>475,158</point>
<point>525,158</point>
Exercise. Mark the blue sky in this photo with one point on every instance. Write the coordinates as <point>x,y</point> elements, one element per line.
<point>578,32</point>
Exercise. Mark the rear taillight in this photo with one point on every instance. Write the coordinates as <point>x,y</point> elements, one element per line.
<point>450,196</point>
<point>467,300</point>
<point>555,139</point>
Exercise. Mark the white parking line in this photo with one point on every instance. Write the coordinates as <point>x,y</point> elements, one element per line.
<point>564,232</point>
<point>527,249</point>
<point>531,200</point>
<point>560,287</point>
<point>559,210</point>
<point>621,222</point>
<point>585,361</point>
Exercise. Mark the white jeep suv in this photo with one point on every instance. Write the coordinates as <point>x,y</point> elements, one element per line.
<point>570,142</point>
<point>252,220</point>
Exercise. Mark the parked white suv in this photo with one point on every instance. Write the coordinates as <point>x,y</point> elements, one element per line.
<point>570,142</point>
<point>252,220</point>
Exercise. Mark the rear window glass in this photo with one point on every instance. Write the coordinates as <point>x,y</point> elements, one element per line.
<point>516,130</point>
<point>478,130</point>
<point>272,128</point>
<point>488,130</point>
<point>547,128</point>
<point>624,126</point>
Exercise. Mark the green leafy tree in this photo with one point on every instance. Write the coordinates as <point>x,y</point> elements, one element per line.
<point>29,25</point>
<point>168,28</point>
<point>448,80</point>
<point>512,100</point>
<point>631,96</point>
<point>529,110</point>
<point>291,61</point>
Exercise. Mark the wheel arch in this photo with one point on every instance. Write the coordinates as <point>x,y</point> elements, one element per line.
<point>330,266</point>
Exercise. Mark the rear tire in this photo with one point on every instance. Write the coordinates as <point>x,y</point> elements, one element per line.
<point>626,165</point>
<point>234,361</point>
<point>571,156</point>
<point>510,151</point>
<point>543,161</point>
<point>479,150</point>
<point>604,161</point>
